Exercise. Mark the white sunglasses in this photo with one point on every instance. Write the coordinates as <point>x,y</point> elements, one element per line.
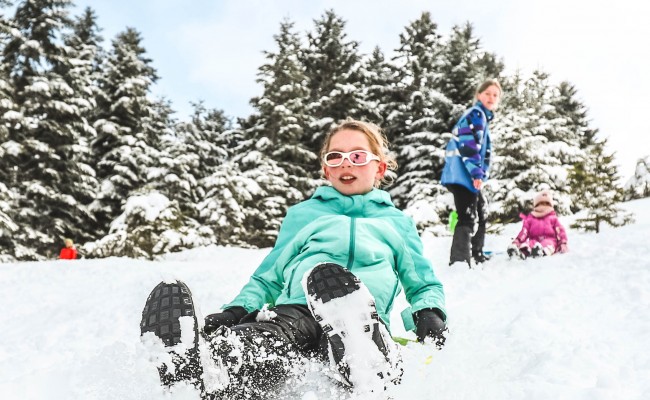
<point>356,157</point>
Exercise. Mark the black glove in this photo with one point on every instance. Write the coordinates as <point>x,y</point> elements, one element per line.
<point>429,323</point>
<point>228,317</point>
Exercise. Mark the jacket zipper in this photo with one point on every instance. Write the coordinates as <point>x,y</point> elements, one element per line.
<point>353,222</point>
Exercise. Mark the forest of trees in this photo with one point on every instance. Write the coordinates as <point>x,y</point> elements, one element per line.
<point>87,153</point>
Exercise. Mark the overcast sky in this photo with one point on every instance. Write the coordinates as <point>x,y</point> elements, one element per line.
<point>210,50</point>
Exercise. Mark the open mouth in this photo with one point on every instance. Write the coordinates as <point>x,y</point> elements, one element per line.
<point>347,179</point>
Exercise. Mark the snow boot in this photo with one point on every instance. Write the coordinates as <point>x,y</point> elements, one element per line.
<point>480,257</point>
<point>169,315</point>
<point>537,251</point>
<point>360,348</point>
<point>512,251</point>
<point>460,246</point>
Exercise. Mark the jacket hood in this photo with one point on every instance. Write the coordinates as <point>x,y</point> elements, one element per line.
<point>328,193</point>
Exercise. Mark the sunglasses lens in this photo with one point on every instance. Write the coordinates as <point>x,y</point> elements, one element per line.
<point>334,158</point>
<point>358,157</point>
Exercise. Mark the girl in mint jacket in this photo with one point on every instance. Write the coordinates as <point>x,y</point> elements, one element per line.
<point>351,223</point>
<point>348,227</point>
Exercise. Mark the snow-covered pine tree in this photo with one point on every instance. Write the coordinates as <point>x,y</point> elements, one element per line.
<point>464,66</point>
<point>532,139</point>
<point>378,83</point>
<point>420,114</point>
<point>638,186</point>
<point>332,68</point>
<point>150,225</point>
<point>122,150</point>
<point>81,70</point>
<point>159,216</point>
<point>8,169</point>
<point>596,191</point>
<point>197,149</point>
<point>271,193</point>
<point>50,180</point>
<point>222,208</point>
<point>280,112</point>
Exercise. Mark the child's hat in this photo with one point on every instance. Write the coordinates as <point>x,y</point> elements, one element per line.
<point>543,196</point>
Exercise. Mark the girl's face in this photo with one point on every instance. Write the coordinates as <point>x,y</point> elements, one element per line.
<point>490,97</point>
<point>351,179</point>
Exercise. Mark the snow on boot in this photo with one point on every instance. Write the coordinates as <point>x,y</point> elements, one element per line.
<point>537,251</point>
<point>548,250</point>
<point>169,317</point>
<point>246,363</point>
<point>480,257</point>
<point>360,348</point>
<point>513,251</point>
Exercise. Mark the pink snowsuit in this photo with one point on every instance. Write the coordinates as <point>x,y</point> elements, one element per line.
<point>543,229</point>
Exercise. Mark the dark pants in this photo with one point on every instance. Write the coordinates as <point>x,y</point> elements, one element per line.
<point>470,207</point>
<point>259,355</point>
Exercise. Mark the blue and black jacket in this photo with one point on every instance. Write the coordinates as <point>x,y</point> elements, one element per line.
<point>467,156</point>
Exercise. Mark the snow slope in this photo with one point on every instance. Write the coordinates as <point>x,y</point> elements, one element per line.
<point>574,326</point>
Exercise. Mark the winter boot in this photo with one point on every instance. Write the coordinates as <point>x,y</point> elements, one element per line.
<point>169,316</point>
<point>513,251</point>
<point>480,257</point>
<point>460,246</point>
<point>537,251</point>
<point>360,348</point>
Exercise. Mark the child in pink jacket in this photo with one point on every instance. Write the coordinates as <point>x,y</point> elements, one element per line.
<point>542,233</point>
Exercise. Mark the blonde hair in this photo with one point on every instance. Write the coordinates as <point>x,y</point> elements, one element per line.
<point>486,84</point>
<point>376,139</point>
<point>68,241</point>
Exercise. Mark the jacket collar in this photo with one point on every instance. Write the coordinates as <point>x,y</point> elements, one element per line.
<point>488,114</point>
<point>375,195</point>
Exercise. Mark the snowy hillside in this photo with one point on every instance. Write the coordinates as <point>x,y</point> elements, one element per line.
<point>574,326</point>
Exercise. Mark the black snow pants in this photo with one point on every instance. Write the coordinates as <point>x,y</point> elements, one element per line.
<point>260,354</point>
<point>469,206</point>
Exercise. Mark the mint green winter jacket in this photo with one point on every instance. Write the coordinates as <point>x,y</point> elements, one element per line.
<point>363,233</point>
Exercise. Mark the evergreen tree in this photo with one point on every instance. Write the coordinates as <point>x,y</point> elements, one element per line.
<point>465,65</point>
<point>379,83</point>
<point>197,149</point>
<point>281,111</point>
<point>8,169</point>
<point>248,196</point>
<point>222,209</point>
<point>51,183</point>
<point>149,226</point>
<point>420,115</point>
<point>533,140</point>
<point>123,150</point>
<point>332,68</point>
<point>594,183</point>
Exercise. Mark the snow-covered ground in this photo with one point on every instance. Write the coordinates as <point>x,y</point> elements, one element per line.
<point>573,326</point>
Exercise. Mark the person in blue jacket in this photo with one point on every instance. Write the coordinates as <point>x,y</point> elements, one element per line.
<point>467,163</point>
<point>349,229</point>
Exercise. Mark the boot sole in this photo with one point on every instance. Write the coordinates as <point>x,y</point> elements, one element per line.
<point>166,304</point>
<point>328,282</point>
